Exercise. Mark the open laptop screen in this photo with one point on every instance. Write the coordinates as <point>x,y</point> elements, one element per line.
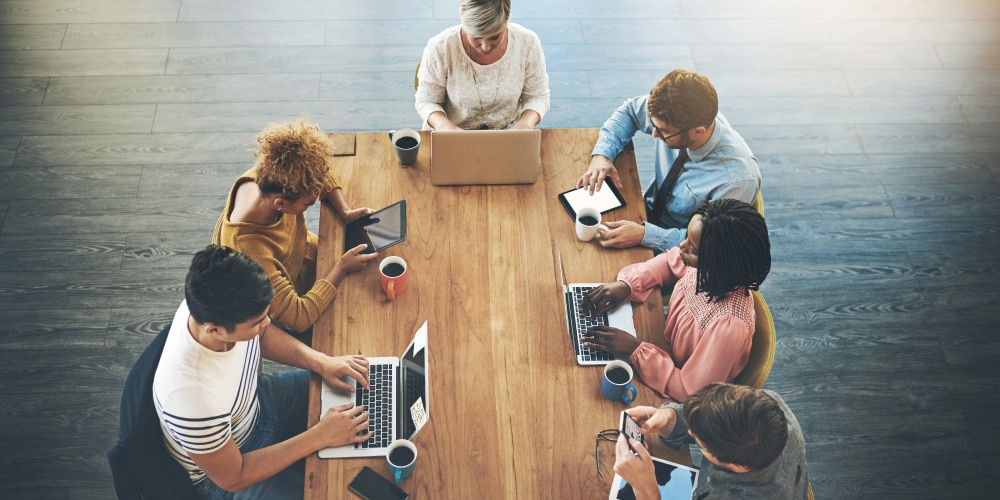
<point>413,388</point>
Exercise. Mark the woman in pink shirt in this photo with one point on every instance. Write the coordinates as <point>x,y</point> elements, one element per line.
<point>710,322</point>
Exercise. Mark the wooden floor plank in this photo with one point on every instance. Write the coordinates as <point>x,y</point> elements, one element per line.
<point>173,34</point>
<point>181,88</point>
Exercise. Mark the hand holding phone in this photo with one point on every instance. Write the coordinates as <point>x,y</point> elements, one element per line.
<point>631,429</point>
<point>371,485</point>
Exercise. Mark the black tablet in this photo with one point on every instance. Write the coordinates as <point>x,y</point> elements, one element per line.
<point>380,230</point>
<point>607,199</point>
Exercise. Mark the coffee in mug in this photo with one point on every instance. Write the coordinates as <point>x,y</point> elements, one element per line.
<point>393,275</point>
<point>402,458</point>
<point>588,222</point>
<point>616,383</point>
<point>406,142</point>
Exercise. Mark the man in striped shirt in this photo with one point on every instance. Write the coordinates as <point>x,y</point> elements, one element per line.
<point>232,429</point>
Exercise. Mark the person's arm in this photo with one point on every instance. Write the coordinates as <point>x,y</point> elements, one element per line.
<point>535,94</point>
<point>616,132</point>
<point>432,88</point>
<point>279,346</point>
<point>636,469</point>
<point>661,239</point>
<point>643,277</point>
<point>232,470</point>
<point>337,200</point>
<point>716,354</point>
<point>529,118</point>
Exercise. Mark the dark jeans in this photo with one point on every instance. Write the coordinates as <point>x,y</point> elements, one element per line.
<point>284,401</point>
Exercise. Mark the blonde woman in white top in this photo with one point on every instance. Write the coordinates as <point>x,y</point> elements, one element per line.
<point>485,73</point>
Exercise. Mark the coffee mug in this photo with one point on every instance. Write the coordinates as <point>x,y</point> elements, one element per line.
<point>616,384</point>
<point>402,458</point>
<point>392,271</point>
<point>588,221</point>
<point>407,144</point>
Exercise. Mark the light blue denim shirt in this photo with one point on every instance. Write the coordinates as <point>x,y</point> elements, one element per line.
<point>724,167</point>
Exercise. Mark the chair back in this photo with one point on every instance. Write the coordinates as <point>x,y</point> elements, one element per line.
<point>140,463</point>
<point>758,202</point>
<point>416,76</point>
<point>762,347</point>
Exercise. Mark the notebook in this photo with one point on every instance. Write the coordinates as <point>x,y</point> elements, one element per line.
<point>578,323</point>
<point>676,482</point>
<point>396,400</point>
<point>464,157</point>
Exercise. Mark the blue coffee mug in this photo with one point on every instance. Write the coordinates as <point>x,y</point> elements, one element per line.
<point>401,471</point>
<point>621,390</point>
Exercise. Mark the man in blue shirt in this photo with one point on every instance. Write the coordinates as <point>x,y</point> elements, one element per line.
<point>699,158</point>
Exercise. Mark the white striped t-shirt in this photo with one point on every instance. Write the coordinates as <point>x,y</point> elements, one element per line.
<point>203,397</point>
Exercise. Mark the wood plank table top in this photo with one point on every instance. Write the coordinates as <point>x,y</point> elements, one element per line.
<point>511,413</point>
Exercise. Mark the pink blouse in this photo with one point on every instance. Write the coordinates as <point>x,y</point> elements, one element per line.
<point>710,341</point>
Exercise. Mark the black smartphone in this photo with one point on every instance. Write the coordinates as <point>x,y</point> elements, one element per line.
<point>370,485</point>
<point>631,429</point>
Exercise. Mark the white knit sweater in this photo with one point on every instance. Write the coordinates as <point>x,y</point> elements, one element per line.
<point>475,96</point>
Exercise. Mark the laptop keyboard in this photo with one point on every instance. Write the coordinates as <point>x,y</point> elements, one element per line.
<point>584,323</point>
<point>377,400</point>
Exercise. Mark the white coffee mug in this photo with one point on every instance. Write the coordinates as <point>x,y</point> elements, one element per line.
<point>588,222</point>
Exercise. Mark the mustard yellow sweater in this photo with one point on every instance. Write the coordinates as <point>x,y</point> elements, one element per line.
<point>286,251</point>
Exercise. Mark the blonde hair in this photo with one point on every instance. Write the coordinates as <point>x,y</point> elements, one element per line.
<point>482,18</point>
<point>293,160</point>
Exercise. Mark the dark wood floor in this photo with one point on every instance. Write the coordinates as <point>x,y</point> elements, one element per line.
<point>123,122</point>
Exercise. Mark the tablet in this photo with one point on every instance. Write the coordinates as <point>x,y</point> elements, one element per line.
<point>606,199</point>
<point>676,482</point>
<point>379,230</point>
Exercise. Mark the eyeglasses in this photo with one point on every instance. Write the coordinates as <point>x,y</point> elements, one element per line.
<point>605,435</point>
<point>664,136</point>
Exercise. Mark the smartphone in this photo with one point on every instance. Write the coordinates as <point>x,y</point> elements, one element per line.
<point>631,429</point>
<point>370,485</point>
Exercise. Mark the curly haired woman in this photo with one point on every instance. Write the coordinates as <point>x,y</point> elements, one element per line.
<point>264,219</point>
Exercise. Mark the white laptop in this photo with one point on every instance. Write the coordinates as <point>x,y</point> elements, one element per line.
<point>483,157</point>
<point>578,323</point>
<point>396,400</point>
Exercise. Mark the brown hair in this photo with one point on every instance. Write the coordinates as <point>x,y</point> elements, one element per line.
<point>737,424</point>
<point>293,160</point>
<point>684,99</point>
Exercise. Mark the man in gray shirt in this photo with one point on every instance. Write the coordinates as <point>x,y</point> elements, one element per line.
<point>751,443</point>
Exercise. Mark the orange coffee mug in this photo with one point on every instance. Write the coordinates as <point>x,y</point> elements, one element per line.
<point>392,270</point>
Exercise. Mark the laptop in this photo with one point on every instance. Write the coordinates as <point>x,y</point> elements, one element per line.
<point>578,323</point>
<point>396,400</point>
<point>481,157</point>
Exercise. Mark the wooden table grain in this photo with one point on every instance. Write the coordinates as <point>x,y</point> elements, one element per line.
<point>511,413</point>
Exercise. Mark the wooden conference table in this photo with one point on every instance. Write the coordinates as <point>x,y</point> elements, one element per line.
<point>511,413</point>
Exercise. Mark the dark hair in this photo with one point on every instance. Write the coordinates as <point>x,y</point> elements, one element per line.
<point>225,287</point>
<point>734,252</point>
<point>738,424</point>
<point>684,99</point>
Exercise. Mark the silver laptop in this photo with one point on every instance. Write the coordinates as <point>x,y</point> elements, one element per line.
<point>578,323</point>
<point>396,400</point>
<point>478,157</point>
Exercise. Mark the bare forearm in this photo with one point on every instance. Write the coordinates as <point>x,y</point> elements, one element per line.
<point>262,464</point>
<point>277,345</point>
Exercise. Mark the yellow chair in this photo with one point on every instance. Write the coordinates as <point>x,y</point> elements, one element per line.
<point>763,346</point>
<point>416,79</point>
<point>758,202</point>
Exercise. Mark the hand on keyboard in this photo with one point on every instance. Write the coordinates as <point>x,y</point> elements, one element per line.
<point>604,298</point>
<point>611,339</point>
<point>341,426</point>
